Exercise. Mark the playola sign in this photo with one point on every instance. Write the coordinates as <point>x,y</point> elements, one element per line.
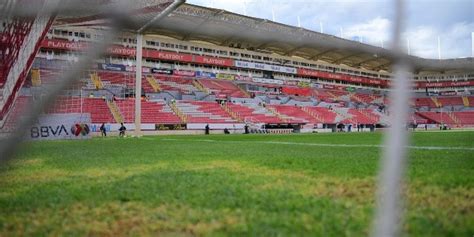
<point>61,126</point>
<point>444,84</point>
<point>341,77</point>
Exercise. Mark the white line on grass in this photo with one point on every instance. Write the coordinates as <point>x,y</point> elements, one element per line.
<point>326,144</point>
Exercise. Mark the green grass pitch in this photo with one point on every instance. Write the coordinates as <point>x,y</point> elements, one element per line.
<point>238,185</point>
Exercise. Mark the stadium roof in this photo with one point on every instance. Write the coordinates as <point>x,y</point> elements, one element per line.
<point>220,27</point>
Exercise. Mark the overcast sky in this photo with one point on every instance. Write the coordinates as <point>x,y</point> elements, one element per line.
<point>371,20</point>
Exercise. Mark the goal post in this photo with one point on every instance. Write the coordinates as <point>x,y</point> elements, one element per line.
<point>20,41</point>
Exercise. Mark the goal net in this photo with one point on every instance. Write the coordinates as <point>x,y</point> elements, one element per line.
<point>36,58</point>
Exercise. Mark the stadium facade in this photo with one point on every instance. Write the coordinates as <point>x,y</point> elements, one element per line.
<point>209,66</point>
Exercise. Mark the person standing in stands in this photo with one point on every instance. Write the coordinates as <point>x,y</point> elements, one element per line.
<point>207,129</point>
<point>103,132</point>
<point>122,130</point>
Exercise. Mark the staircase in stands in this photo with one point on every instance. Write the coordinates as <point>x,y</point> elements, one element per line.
<point>35,77</point>
<point>335,97</point>
<point>278,115</point>
<point>96,81</point>
<point>178,112</point>
<point>115,111</point>
<point>465,101</point>
<point>454,118</point>
<point>200,87</point>
<point>312,114</point>
<point>436,102</point>
<point>244,92</point>
<point>344,113</point>
<point>356,98</point>
<point>232,114</point>
<point>154,84</point>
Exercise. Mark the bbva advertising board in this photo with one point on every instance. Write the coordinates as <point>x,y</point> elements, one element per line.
<point>61,126</point>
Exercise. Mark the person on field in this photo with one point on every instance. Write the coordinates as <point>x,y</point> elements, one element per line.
<point>103,132</point>
<point>122,130</point>
<point>207,129</point>
<point>226,131</point>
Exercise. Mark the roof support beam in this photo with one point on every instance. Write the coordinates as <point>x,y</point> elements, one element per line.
<point>379,67</point>
<point>292,50</point>
<point>264,44</point>
<point>364,61</point>
<point>320,54</point>
<point>339,60</point>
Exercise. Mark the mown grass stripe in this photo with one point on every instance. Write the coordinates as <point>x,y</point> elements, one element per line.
<point>323,144</point>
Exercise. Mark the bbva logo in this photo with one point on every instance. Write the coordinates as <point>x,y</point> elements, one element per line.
<point>59,131</point>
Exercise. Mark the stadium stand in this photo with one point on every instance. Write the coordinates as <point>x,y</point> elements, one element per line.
<point>152,112</point>
<point>294,114</point>
<point>97,108</point>
<point>223,88</point>
<point>176,83</point>
<point>279,90</point>
<point>204,112</point>
<point>451,101</point>
<point>438,117</point>
<point>324,115</point>
<point>253,113</point>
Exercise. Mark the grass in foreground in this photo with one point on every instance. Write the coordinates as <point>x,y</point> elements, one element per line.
<point>260,185</point>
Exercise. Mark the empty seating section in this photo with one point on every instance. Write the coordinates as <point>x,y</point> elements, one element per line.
<point>158,112</point>
<point>97,108</point>
<point>152,112</point>
<point>117,78</point>
<point>437,117</point>
<point>293,114</point>
<point>471,101</point>
<point>364,116</point>
<point>339,95</point>
<point>176,83</point>
<point>322,95</point>
<point>49,76</point>
<point>324,115</point>
<point>415,118</point>
<point>365,98</point>
<point>301,98</point>
<point>221,87</point>
<point>123,79</point>
<point>254,114</point>
<point>450,101</point>
<point>465,118</point>
<point>425,102</point>
<point>204,112</point>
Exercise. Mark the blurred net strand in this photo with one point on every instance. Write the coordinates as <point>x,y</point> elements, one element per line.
<point>388,217</point>
<point>9,145</point>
